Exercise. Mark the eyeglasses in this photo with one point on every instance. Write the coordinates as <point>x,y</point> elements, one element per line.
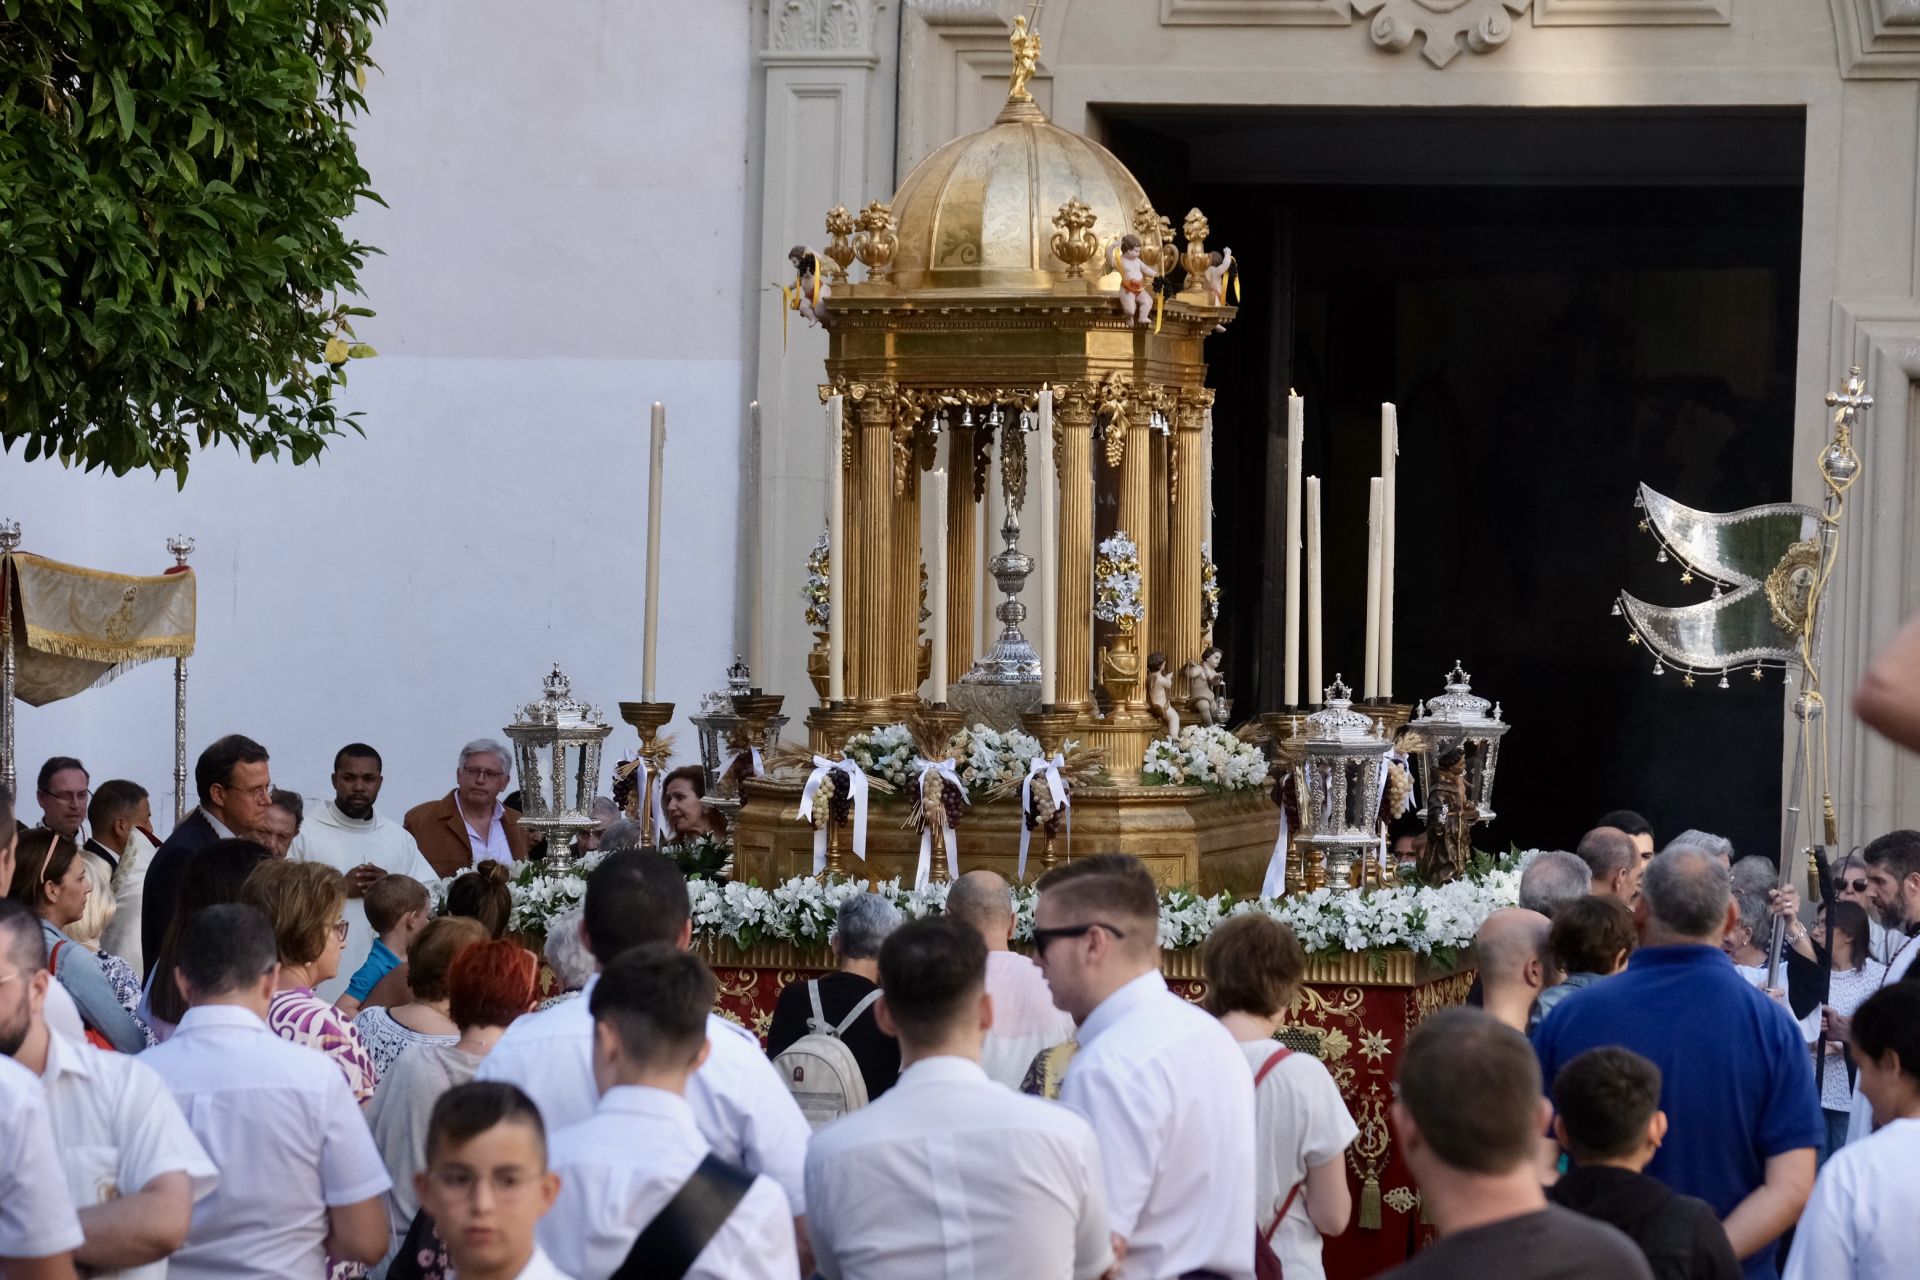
<point>461,1181</point>
<point>482,775</point>
<point>9,977</point>
<point>69,797</point>
<point>262,793</point>
<point>339,930</point>
<point>1043,938</point>
<point>1858,886</point>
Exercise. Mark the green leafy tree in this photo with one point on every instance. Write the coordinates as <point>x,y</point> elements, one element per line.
<point>173,179</point>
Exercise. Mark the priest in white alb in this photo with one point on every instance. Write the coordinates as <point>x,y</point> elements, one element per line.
<point>347,835</point>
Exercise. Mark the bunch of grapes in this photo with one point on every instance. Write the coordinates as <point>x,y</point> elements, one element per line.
<point>1042,814</point>
<point>941,802</point>
<point>823,801</point>
<point>626,791</point>
<point>840,806</point>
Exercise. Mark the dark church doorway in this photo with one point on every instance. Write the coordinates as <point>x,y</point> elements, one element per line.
<point>1562,304</point>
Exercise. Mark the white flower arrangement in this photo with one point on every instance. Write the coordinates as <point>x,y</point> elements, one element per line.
<point>819,573</point>
<point>887,752</point>
<point>989,758</point>
<point>1204,756</point>
<point>1425,919</point>
<point>1116,582</point>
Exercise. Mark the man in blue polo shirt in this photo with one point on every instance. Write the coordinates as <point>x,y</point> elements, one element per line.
<point>1736,1081</point>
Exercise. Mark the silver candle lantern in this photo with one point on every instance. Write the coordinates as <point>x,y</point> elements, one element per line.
<point>556,744</point>
<point>1339,761</point>
<point>1458,720</point>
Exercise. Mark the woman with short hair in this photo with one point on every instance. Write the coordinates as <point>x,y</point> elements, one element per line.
<point>50,879</point>
<point>305,902</point>
<point>489,985</point>
<point>1254,967</point>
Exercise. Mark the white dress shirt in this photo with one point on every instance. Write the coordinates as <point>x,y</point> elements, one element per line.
<point>118,1129</point>
<point>1170,1096</point>
<point>540,1267</point>
<point>344,843</point>
<point>618,1170</point>
<point>1904,949</point>
<point>739,1101</point>
<point>493,846</point>
<point>1860,1222</point>
<point>1025,1021</point>
<point>288,1139</point>
<point>36,1214</point>
<point>951,1176</point>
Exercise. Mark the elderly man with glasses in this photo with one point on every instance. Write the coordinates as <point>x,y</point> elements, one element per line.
<point>1167,1091</point>
<point>469,825</point>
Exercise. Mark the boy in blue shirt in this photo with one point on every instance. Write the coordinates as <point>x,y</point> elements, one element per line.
<point>397,908</point>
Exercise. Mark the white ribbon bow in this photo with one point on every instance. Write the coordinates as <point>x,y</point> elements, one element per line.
<point>1062,801</point>
<point>923,874</point>
<point>1386,768</point>
<point>759,766</point>
<point>642,775</point>
<point>856,792</point>
<point>1275,883</point>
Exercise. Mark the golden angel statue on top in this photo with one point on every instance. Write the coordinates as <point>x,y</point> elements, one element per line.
<point>1026,59</point>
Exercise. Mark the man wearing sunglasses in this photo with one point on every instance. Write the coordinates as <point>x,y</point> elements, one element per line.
<point>1893,892</point>
<point>1167,1091</point>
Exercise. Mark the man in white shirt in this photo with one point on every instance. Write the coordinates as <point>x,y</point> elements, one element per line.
<point>300,1178</point>
<point>349,836</point>
<point>119,815</point>
<point>1859,1223</point>
<point>133,1167</point>
<point>625,1167</point>
<point>1168,1092</point>
<point>1893,886</point>
<point>487,1184</point>
<point>38,1229</point>
<point>1025,1020</point>
<point>949,1174</point>
<point>739,1102</point>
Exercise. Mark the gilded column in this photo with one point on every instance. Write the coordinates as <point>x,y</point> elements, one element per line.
<point>1187,520</point>
<point>870,596</point>
<point>903,527</point>
<point>1073,450</point>
<point>1156,545</point>
<point>1136,505</point>
<point>962,522</point>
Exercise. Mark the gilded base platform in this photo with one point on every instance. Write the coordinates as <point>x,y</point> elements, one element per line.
<point>1189,838</point>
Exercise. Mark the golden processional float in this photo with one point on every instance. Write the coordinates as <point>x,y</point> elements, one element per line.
<point>1015,297</point>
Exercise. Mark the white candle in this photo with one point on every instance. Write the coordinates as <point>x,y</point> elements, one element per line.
<point>756,562</point>
<point>838,551</point>
<point>650,644</point>
<point>936,558</point>
<point>1049,548</point>
<point>1370,686</point>
<point>1290,646</point>
<point>1389,478</point>
<point>1314,687</point>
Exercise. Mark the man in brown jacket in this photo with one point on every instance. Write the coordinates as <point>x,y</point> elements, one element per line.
<point>469,825</point>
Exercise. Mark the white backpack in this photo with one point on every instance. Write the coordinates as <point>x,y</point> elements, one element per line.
<point>819,1068</point>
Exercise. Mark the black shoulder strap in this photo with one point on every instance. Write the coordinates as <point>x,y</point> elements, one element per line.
<point>677,1234</point>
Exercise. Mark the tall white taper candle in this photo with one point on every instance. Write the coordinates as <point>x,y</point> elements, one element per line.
<point>936,562</point>
<point>1370,687</point>
<point>650,643</point>
<point>838,551</point>
<point>1049,548</point>
<point>1290,647</point>
<point>756,551</point>
<point>1314,687</point>
<point>1389,480</point>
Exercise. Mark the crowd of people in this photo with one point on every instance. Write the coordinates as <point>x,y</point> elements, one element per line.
<point>266,1047</point>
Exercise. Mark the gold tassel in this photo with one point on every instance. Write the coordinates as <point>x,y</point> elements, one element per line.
<point>1370,1202</point>
<point>786,305</point>
<point>1833,825</point>
<point>1159,308</point>
<point>1426,1213</point>
<point>1236,287</point>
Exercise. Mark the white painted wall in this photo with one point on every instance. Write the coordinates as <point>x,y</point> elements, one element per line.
<point>562,248</point>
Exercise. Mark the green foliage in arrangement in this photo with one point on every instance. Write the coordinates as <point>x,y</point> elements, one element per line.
<point>174,175</point>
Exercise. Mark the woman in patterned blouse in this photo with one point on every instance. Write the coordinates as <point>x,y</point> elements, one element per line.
<point>304,902</point>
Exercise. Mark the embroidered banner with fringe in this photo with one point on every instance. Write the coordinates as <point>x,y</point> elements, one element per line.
<point>75,629</point>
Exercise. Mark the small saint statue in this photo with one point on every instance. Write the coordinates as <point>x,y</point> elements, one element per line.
<point>1205,684</point>
<point>1451,815</point>
<point>810,291</point>
<point>1136,279</point>
<point>1160,693</point>
<point>1026,59</point>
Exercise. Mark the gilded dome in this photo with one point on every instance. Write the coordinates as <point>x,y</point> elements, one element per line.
<point>978,212</point>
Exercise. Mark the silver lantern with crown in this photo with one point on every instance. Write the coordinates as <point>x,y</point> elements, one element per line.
<point>556,743</point>
<point>725,733</point>
<point>1458,720</point>
<point>1339,766</point>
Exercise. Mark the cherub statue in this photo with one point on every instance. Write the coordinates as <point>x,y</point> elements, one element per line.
<point>810,292</point>
<point>1160,693</point>
<point>1136,279</point>
<point>1026,59</point>
<point>1220,269</point>
<point>1204,686</point>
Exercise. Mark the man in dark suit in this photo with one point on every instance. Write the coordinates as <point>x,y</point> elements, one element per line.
<point>235,787</point>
